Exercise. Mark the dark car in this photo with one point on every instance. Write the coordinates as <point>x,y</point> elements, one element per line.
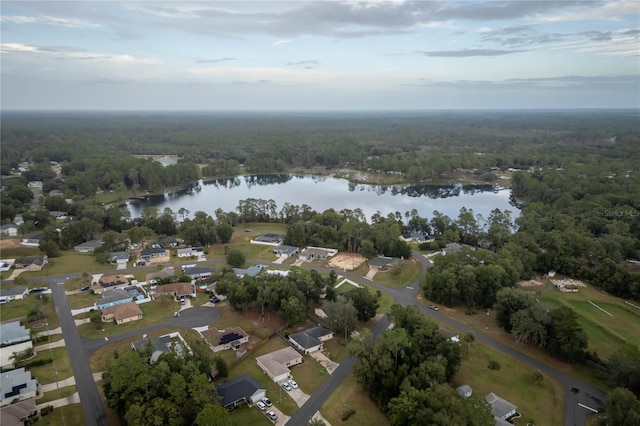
<point>214,299</point>
<point>85,288</point>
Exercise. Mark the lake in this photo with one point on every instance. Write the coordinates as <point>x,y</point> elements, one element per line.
<point>322,193</point>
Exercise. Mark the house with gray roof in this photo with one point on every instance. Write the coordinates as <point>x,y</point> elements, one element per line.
<point>10,229</point>
<point>113,297</point>
<point>88,246</point>
<point>18,292</point>
<point>383,263</point>
<point>199,272</point>
<point>464,391</point>
<point>252,271</point>
<point>119,257</point>
<point>32,263</point>
<point>33,240</point>
<point>242,390</point>
<point>12,333</point>
<point>285,251</point>
<point>311,340</point>
<point>153,253</point>
<point>501,408</point>
<point>269,238</point>
<point>276,364</point>
<point>16,414</point>
<point>17,385</point>
<point>159,345</point>
<point>190,251</point>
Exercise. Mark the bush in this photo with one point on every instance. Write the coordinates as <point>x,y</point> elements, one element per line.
<point>37,363</point>
<point>494,365</point>
<point>44,411</point>
<point>346,414</point>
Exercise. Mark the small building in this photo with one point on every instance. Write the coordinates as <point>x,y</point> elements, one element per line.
<point>17,385</point>
<point>113,297</point>
<point>88,246</point>
<point>122,313</point>
<point>190,251</point>
<point>317,253</point>
<point>454,337</point>
<point>464,391</point>
<point>177,290</point>
<point>17,414</point>
<point>382,263</point>
<point>242,390</point>
<point>119,257</point>
<point>35,184</point>
<point>285,251</point>
<point>276,364</point>
<point>501,408</point>
<point>32,241</point>
<point>311,340</point>
<point>196,273</point>
<point>18,292</point>
<point>10,230</point>
<point>269,239</point>
<point>153,253</point>
<point>158,345</point>
<point>32,263</point>
<point>220,340</point>
<point>12,333</point>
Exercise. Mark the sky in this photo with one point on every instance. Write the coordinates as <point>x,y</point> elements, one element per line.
<point>319,55</point>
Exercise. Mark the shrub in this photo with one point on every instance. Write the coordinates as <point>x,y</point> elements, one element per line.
<point>346,414</point>
<point>494,365</point>
<point>46,410</point>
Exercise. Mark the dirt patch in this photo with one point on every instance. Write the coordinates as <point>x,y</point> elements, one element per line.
<point>348,261</point>
<point>530,283</point>
<point>7,243</point>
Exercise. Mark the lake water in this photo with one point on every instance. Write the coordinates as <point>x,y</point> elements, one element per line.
<point>322,193</point>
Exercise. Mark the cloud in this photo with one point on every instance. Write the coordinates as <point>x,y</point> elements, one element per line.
<point>614,82</point>
<point>307,62</point>
<point>279,42</point>
<point>69,53</point>
<point>48,20</point>
<point>466,53</point>
<point>214,61</point>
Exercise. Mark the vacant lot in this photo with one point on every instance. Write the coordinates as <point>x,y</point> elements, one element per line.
<point>351,395</point>
<point>409,271</point>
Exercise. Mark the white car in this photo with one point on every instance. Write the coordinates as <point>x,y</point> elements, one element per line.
<point>293,384</point>
<point>266,401</point>
<point>286,386</point>
<point>261,405</point>
<point>271,415</point>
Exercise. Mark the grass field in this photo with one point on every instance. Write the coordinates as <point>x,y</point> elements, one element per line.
<point>82,300</point>
<point>246,415</point>
<point>73,415</point>
<point>351,395</point>
<point>336,351</point>
<point>70,262</point>
<point>47,373</point>
<point>309,375</point>
<point>408,273</point>
<point>18,310</point>
<point>541,404</point>
<point>53,395</point>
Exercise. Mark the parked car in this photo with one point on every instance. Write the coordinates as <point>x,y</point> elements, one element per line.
<point>214,299</point>
<point>293,384</point>
<point>286,386</point>
<point>266,401</point>
<point>434,307</point>
<point>85,288</point>
<point>271,415</point>
<point>261,405</point>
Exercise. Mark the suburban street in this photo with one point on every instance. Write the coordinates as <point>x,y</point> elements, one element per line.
<point>576,391</point>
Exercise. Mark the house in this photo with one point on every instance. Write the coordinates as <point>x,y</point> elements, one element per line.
<point>10,230</point>
<point>32,263</point>
<point>276,364</point>
<point>455,338</point>
<point>153,253</point>
<point>316,253</point>
<point>88,246</point>
<point>199,273</point>
<point>382,263</point>
<point>166,272</point>
<point>32,241</point>
<point>7,352</point>
<point>119,257</point>
<point>166,162</point>
<point>311,340</point>
<point>18,292</point>
<point>501,408</point>
<point>16,414</point>
<point>241,390</point>
<point>35,184</point>
<point>253,271</point>
<point>417,237</point>
<point>12,333</point>
<point>109,282</point>
<point>221,340</point>
<point>285,251</point>
<point>158,346</point>
<point>57,214</point>
<point>177,290</point>
<point>269,238</point>
<point>56,193</point>
<point>464,391</point>
<point>17,385</point>
<point>113,297</point>
<point>190,251</point>
<point>18,220</point>
<point>167,242</point>
<point>451,248</point>
<point>122,313</point>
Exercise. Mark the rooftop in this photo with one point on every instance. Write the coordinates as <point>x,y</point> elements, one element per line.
<point>236,389</point>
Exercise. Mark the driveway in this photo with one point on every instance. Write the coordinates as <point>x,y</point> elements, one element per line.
<point>329,365</point>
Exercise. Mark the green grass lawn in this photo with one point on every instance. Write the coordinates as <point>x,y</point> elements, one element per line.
<point>351,395</point>
<point>410,271</point>
<point>248,365</point>
<point>53,394</point>
<point>73,415</point>
<point>46,373</point>
<point>336,351</point>
<point>70,262</point>
<point>541,404</point>
<point>246,415</point>
<point>82,300</point>
<point>309,375</point>
<point>249,321</point>
<point>18,310</point>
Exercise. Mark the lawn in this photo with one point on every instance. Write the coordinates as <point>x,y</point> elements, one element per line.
<point>408,273</point>
<point>82,300</point>
<point>309,375</point>
<point>248,365</point>
<point>70,262</point>
<point>18,310</point>
<point>249,321</point>
<point>255,252</point>
<point>351,395</point>
<point>46,373</point>
<point>335,351</point>
<point>246,415</point>
<point>53,394</point>
<point>73,415</point>
<point>541,403</point>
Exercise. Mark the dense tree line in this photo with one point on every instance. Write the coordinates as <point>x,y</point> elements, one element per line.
<point>406,373</point>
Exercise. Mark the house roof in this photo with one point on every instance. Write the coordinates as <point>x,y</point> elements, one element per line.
<point>499,407</point>
<point>13,291</point>
<point>113,280</point>
<point>305,340</point>
<point>382,261</point>
<point>123,311</point>
<point>189,250</point>
<point>149,252</point>
<point>120,255</point>
<point>452,248</point>
<point>112,296</point>
<point>463,390</point>
<point>199,270</point>
<point>237,389</point>
<point>319,332</point>
<point>222,337</point>
<point>252,271</point>
<point>36,237</point>
<point>94,244</point>
<point>14,414</point>
<point>13,332</point>
<point>162,273</point>
<point>39,260</point>
<point>276,362</point>
<point>285,249</point>
<point>16,382</point>
<point>5,228</point>
<point>178,288</point>
<point>159,346</point>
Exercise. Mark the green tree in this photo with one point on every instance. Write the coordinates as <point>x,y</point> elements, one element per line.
<point>342,316</point>
<point>567,340</point>
<point>493,365</point>
<point>221,367</point>
<point>235,258</point>
<point>622,408</point>
<point>293,311</point>
<point>365,302</point>
<point>213,415</point>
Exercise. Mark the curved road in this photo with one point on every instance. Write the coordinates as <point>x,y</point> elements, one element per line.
<point>576,391</point>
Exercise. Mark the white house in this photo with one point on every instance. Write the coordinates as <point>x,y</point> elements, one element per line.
<point>276,364</point>
<point>10,230</point>
<point>501,408</point>
<point>311,340</point>
<point>17,385</point>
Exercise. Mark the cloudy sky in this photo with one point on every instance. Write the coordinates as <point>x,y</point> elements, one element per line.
<point>319,55</point>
